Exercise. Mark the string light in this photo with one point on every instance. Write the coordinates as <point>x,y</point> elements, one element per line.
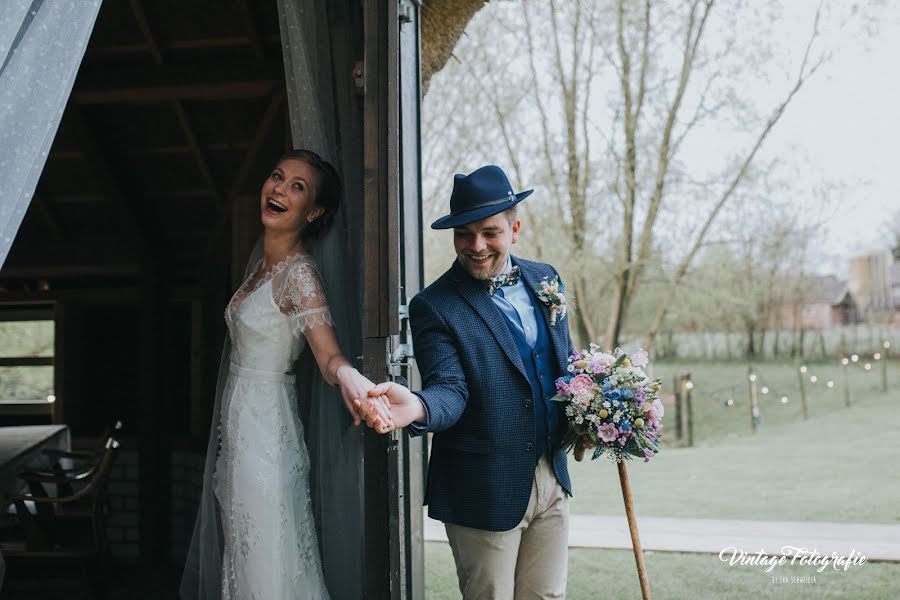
<point>51,398</point>
<point>689,385</point>
<point>804,370</point>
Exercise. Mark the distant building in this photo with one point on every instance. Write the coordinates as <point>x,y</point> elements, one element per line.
<point>873,281</point>
<point>827,302</point>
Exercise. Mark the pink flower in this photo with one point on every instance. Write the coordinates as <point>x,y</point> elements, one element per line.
<point>607,432</point>
<point>656,412</point>
<point>562,388</point>
<point>582,385</point>
<point>640,358</point>
<point>605,359</point>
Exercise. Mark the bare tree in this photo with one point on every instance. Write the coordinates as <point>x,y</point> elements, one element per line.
<point>595,102</point>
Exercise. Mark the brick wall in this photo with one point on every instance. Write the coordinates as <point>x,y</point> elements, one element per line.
<point>122,523</point>
<point>187,483</point>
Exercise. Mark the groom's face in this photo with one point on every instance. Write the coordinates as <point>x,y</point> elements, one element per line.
<point>483,247</point>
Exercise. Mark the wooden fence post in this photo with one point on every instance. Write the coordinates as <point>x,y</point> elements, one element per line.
<point>676,388</point>
<point>886,345</point>
<point>801,378</point>
<point>754,399</point>
<point>687,411</point>
<point>846,376</point>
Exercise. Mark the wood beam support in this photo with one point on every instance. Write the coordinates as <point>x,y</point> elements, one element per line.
<point>262,132</point>
<point>162,83</point>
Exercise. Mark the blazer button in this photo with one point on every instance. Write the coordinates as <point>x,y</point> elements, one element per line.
<point>527,404</point>
<point>529,447</point>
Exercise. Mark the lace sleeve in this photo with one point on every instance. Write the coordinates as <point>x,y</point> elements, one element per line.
<point>302,297</point>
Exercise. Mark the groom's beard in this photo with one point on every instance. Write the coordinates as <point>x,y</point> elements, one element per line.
<point>482,270</point>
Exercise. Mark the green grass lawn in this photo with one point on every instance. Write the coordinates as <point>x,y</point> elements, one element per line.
<point>840,465</point>
<point>611,575</point>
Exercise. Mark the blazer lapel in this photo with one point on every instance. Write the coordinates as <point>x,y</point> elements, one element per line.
<point>478,298</point>
<point>558,331</point>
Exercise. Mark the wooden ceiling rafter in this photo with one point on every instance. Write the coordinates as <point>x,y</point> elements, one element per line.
<point>178,106</point>
<point>270,117</point>
<point>223,41</point>
<point>105,175</point>
<point>154,84</point>
<point>250,27</point>
<point>50,216</point>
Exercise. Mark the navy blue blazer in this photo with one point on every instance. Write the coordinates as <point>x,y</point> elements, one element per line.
<point>479,401</point>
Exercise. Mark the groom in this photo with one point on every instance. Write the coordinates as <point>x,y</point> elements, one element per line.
<point>489,353</point>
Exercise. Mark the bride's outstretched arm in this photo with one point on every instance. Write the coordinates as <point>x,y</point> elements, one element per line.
<point>337,370</point>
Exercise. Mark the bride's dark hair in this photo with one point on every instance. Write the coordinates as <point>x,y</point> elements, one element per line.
<point>328,192</point>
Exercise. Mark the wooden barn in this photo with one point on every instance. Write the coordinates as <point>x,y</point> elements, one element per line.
<point>140,224</point>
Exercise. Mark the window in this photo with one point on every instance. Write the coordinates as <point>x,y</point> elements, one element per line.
<point>26,362</point>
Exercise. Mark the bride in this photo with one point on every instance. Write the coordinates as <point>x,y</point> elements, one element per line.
<point>255,535</point>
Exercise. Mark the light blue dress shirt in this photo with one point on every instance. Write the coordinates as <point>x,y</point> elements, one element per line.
<point>516,304</point>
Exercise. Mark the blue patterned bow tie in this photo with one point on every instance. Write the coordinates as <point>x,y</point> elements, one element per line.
<point>498,281</point>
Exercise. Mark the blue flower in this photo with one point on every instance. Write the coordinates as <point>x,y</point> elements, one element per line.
<point>628,393</point>
<point>624,425</point>
<point>613,394</point>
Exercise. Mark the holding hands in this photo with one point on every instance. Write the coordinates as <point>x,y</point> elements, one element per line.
<point>389,406</point>
<point>354,385</point>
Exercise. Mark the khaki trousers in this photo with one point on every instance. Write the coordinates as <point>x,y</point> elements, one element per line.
<point>528,562</point>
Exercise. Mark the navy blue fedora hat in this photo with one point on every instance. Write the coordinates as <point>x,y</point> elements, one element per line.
<point>481,194</point>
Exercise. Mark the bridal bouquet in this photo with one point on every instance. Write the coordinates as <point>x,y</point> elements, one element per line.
<point>610,399</point>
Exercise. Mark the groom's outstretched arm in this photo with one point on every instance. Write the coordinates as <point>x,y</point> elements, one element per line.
<point>444,392</point>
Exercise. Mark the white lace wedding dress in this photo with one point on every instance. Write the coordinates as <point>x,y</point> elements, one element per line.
<point>261,478</point>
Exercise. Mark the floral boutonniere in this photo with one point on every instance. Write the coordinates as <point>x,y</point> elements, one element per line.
<point>553,293</point>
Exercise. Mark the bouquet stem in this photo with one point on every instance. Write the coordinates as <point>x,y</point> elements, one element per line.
<point>632,527</point>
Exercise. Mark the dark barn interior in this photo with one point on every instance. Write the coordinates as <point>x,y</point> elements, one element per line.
<point>139,228</point>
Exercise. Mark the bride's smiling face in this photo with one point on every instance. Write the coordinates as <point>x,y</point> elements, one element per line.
<point>287,199</point>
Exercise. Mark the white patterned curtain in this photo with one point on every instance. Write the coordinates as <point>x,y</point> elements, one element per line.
<point>41,46</point>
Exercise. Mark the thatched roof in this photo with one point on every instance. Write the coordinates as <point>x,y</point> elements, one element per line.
<point>443,22</point>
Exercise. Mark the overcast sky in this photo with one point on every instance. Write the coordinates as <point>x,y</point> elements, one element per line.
<point>844,127</point>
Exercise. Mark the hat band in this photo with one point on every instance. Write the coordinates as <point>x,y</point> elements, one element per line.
<point>509,198</point>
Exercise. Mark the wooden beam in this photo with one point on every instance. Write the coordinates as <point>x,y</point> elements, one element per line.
<point>50,217</point>
<point>225,41</point>
<point>28,314</point>
<point>27,361</point>
<point>262,132</point>
<point>250,27</point>
<point>199,157</point>
<point>143,24</point>
<point>177,105</point>
<point>104,173</point>
<point>162,83</point>
<point>75,269</point>
<point>108,256</point>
